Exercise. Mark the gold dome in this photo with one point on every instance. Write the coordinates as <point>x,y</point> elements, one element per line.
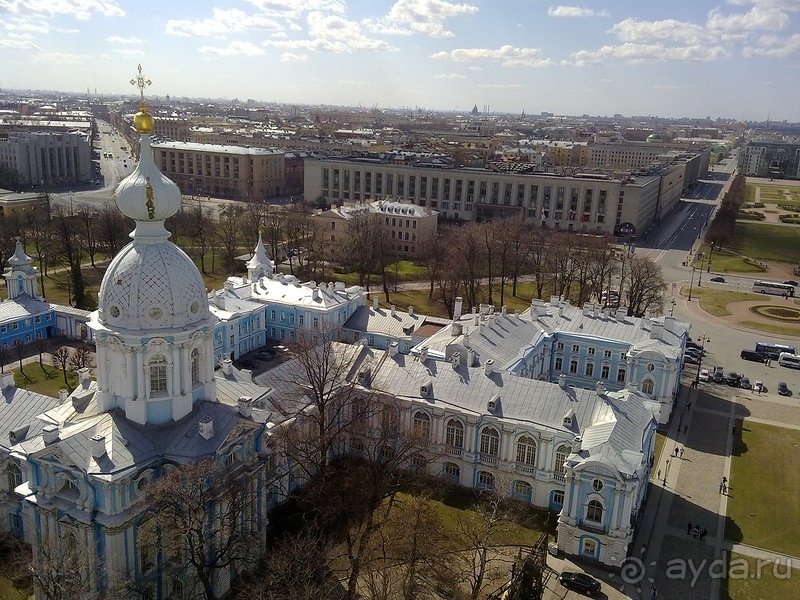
<point>143,121</point>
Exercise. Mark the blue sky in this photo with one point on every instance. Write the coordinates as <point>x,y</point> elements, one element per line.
<point>730,58</point>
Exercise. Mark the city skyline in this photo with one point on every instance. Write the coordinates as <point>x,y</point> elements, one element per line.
<point>738,59</point>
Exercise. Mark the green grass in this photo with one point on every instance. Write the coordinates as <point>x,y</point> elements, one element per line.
<point>659,446</point>
<point>764,506</point>
<point>725,261</point>
<point>47,381</point>
<point>747,582</point>
<point>9,592</point>
<point>715,302</point>
<point>767,242</point>
<point>771,327</point>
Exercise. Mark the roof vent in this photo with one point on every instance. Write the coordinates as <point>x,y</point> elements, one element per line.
<point>245,406</point>
<point>455,360</point>
<point>488,367</point>
<point>7,380</point>
<point>50,433</point>
<point>577,441</point>
<point>410,311</point>
<point>206,427</point>
<point>63,395</point>
<point>456,329</point>
<point>494,406</point>
<point>423,354</point>
<point>18,435</point>
<point>600,388</point>
<point>562,380</point>
<point>98,446</point>
<point>365,376</point>
<point>393,348</point>
<point>426,389</point>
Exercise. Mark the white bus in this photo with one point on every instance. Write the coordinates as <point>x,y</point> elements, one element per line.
<point>773,287</point>
<point>789,360</point>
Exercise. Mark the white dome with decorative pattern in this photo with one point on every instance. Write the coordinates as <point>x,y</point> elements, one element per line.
<point>152,286</point>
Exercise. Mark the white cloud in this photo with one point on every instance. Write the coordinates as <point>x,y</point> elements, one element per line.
<point>449,76</point>
<point>220,24</point>
<point>575,11</point>
<point>640,53</point>
<point>507,55</point>
<point>756,18</point>
<point>295,9</point>
<point>233,49</point>
<point>475,68</point>
<point>78,9</point>
<point>292,57</point>
<point>331,33</point>
<point>774,47</point>
<point>18,44</point>
<point>131,52</point>
<point>61,57</point>
<point>116,39</point>
<point>419,16</point>
<point>633,30</point>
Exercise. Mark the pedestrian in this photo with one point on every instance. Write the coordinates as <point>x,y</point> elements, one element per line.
<point>653,593</point>
<point>689,528</point>
<point>696,531</point>
<point>724,490</point>
<point>643,550</point>
<point>703,533</point>
<point>733,430</point>
<point>685,427</point>
<point>682,449</point>
<point>725,480</point>
<point>676,451</point>
<point>689,407</point>
<point>721,485</point>
<point>659,474</point>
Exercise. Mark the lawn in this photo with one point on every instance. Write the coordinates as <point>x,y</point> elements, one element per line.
<point>715,301</point>
<point>9,592</point>
<point>764,506</point>
<point>47,381</point>
<point>747,582</point>
<point>771,328</point>
<point>772,194</point>
<point>659,447</point>
<point>767,242</point>
<point>724,261</point>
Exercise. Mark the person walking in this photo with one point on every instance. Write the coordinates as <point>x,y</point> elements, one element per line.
<point>689,528</point>
<point>643,550</point>
<point>682,449</point>
<point>721,487</point>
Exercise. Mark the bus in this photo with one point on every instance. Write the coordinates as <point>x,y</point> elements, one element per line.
<point>773,287</point>
<point>773,351</point>
<point>789,360</point>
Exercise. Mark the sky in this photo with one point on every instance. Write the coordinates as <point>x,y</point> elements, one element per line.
<point>737,59</point>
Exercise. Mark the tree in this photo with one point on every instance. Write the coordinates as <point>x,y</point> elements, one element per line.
<point>81,358</point>
<point>112,228</point>
<point>89,232</point>
<point>227,234</point>
<point>70,251</point>
<point>19,348</point>
<point>60,360</point>
<point>198,515</point>
<point>646,289</point>
<point>42,344</point>
<point>60,569</point>
<point>201,234</point>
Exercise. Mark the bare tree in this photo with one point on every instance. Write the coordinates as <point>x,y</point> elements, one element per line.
<point>227,234</point>
<point>112,228</point>
<point>198,516</point>
<point>89,232</point>
<point>19,348</point>
<point>81,357</point>
<point>60,360</point>
<point>202,228</point>
<point>60,568</point>
<point>646,289</point>
<point>42,345</point>
<point>70,251</point>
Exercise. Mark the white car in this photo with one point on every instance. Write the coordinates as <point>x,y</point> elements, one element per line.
<point>704,375</point>
<point>758,387</point>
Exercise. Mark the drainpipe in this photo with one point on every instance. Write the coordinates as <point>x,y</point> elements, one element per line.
<point>477,452</point>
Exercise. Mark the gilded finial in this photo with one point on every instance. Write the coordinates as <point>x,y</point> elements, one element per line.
<point>151,207</point>
<point>142,121</point>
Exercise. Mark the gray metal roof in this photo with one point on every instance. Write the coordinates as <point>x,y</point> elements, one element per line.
<point>20,307</point>
<point>19,410</point>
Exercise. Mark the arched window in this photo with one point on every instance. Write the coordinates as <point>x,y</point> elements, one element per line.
<point>452,472</point>
<point>526,451</point>
<point>621,375</point>
<point>422,425</point>
<point>387,453</point>
<point>562,452</point>
<point>389,419</point>
<point>358,412</point>
<point>647,386</point>
<point>490,441</point>
<point>558,362</point>
<point>485,480</point>
<point>14,475</point>
<point>522,490</point>
<point>594,511</point>
<point>573,366</point>
<point>589,371</point>
<point>158,374</point>
<point>454,433</point>
<point>195,358</point>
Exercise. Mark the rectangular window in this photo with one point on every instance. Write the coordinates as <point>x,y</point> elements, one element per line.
<point>604,372</point>
<point>590,351</point>
<point>300,319</point>
<point>559,345</point>
<point>575,348</point>
<point>606,353</point>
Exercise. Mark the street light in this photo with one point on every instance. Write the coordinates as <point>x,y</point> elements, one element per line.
<point>703,339</point>
<point>672,308</point>
<point>691,283</point>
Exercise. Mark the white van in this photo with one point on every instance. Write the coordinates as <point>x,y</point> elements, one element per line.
<point>789,360</point>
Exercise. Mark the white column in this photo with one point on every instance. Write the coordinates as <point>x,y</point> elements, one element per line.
<point>615,520</point>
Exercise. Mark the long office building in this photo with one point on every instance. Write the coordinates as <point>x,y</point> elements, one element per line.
<point>776,160</point>
<point>571,199</point>
<point>48,159</point>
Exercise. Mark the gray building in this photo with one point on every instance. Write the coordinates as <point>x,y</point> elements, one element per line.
<point>776,160</point>
<point>48,158</point>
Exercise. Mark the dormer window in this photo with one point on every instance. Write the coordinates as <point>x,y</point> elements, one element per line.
<point>567,421</point>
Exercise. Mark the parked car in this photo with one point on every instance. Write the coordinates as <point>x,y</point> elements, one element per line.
<point>791,282</point>
<point>718,377</point>
<point>759,387</point>
<point>580,582</point>
<point>691,344</point>
<point>704,375</point>
<point>266,355</point>
<point>691,360</point>
<point>744,383</point>
<point>783,389</point>
<point>718,279</point>
<point>753,355</point>
<point>732,378</point>
<point>695,352</point>
<point>246,363</point>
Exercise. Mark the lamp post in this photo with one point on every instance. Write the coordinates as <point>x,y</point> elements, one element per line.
<point>703,339</point>
<point>700,274</point>
<point>672,308</point>
<point>690,285</point>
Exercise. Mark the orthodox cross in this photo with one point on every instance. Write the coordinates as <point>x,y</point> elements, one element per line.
<point>140,82</point>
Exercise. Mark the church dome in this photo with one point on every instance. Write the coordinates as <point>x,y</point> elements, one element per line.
<point>152,286</point>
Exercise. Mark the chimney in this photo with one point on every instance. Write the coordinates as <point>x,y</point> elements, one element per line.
<point>633,386</point>
<point>562,380</point>
<point>206,427</point>
<point>98,446</point>
<point>476,320</point>
<point>410,311</point>
<point>227,366</point>
<point>517,314</point>
<point>644,322</point>
<point>595,308</point>
<point>669,324</point>
<point>471,357</point>
<point>576,444</point>
<point>504,310</point>
<point>600,389</point>
<point>83,375</point>
<point>63,395</point>
<point>50,433</point>
<point>488,367</point>
<point>245,405</point>
<point>6,380</point>
<point>466,339</point>
<point>457,308</point>
<point>393,348</point>
<point>587,309</point>
<point>375,303</point>
<point>455,360</point>
<point>622,312</point>
<point>393,310</point>
<point>456,329</point>
<point>423,354</point>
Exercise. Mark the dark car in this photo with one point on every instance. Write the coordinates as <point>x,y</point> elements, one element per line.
<point>691,360</point>
<point>718,279</point>
<point>744,383</point>
<point>783,389</point>
<point>718,377</point>
<point>580,582</point>
<point>246,364</point>
<point>267,355</point>
<point>791,282</point>
<point>732,378</point>
<point>753,355</point>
